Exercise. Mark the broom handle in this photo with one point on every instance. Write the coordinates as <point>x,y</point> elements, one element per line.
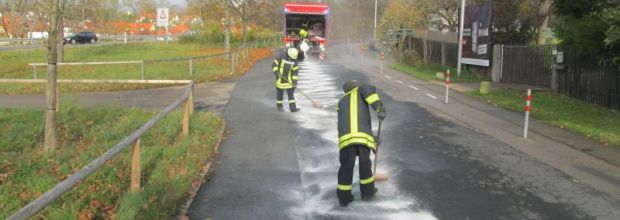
<point>300,91</point>
<point>374,169</point>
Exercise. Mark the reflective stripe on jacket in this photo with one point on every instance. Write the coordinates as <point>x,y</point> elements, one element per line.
<point>354,122</point>
<point>286,72</point>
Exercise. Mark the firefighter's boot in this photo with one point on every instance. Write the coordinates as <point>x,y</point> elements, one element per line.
<point>293,107</point>
<point>345,198</point>
<point>369,195</point>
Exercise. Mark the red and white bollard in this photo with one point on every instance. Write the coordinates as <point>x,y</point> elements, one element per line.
<point>381,62</point>
<point>528,107</point>
<point>447,85</point>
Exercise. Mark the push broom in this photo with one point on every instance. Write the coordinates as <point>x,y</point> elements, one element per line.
<point>315,104</point>
<point>378,176</point>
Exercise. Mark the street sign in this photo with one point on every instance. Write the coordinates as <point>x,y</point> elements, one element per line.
<point>162,17</point>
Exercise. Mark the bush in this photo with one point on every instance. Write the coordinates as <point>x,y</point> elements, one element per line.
<point>212,33</point>
<point>410,57</point>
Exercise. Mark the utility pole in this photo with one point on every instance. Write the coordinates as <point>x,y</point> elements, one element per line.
<point>226,27</point>
<point>374,33</point>
<point>50,141</point>
<point>460,41</point>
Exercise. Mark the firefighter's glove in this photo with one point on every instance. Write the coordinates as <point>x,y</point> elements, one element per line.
<point>381,114</point>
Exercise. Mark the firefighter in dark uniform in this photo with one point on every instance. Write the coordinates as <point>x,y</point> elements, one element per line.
<point>286,68</point>
<point>355,138</point>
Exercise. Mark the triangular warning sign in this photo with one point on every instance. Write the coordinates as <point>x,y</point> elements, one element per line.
<point>162,15</point>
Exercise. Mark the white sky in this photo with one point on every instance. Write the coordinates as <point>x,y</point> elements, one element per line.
<point>181,3</point>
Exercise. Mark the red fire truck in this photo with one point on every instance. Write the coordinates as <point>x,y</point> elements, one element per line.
<point>311,17</point>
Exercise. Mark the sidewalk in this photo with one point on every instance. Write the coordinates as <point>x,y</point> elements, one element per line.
<point>570,138</point>
<point>210,96</point>
<point>583,159</point>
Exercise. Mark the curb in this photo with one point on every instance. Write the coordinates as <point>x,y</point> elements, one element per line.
<point>206,168</point>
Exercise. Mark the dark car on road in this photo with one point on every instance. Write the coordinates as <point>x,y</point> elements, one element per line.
<point>81,37</point>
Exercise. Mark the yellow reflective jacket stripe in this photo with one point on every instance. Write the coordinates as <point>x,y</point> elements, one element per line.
<point>285,83</point>
<point>372,98</point>
<point>367,181</point>
<point>345,187</point>
<point>356,135</point>
<point>279,83</point>
<point>352,90</point>
<point>353,111</point>
<point>362,141</point>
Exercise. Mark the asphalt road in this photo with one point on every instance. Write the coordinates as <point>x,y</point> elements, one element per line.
<point>283,165</point>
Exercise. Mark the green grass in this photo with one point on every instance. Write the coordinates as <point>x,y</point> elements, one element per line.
<point>566,112</point>
<point>15,65</point>
<point>170,163</point>
<point>427,72</point>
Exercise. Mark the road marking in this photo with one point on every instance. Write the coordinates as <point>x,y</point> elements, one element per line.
<point>414,88</point>
<point>389,77</point>
<point>432,96</point>
<point>398,81</point>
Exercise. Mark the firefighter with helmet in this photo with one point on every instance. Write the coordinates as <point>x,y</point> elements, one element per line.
<point>286,69</point>
<point>355,139</point>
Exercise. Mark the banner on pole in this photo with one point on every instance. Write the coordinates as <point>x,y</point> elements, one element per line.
<point>162,17</point>
<point>477,35</point>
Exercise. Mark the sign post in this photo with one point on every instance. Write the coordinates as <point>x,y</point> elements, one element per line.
<point>447,85</point>
<point>528,108</point>
<point>162,20</point>
<point>460,41</point>
<point>381,62</point>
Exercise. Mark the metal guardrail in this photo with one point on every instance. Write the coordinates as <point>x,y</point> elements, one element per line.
<point>103,38</point>
<point>241,52</point>
<point>35,73</point>
<point>133,139</point>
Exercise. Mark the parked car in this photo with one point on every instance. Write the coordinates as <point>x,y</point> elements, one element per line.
<point>81,37</point>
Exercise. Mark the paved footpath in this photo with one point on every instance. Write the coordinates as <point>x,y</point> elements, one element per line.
<point>282,165</point>
<point>212,96</point>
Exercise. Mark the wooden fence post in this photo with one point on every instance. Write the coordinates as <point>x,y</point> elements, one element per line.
<point>496,68</point>
<point>142,71</point>
<point>443,53</point>
<point>34,72</point>
<point>135,167</point>
<point>190,99</point>
<point>186,119</point>
<point>191,66</point>
<point>57,97</point>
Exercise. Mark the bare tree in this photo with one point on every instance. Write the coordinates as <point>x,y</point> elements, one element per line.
<point>61,31</point>
<point>50,142</point>
<point>545,13</point>
<point>246,9</point>
<point>208,10</point>
<point>227,25</point>
<point>445,10</point>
